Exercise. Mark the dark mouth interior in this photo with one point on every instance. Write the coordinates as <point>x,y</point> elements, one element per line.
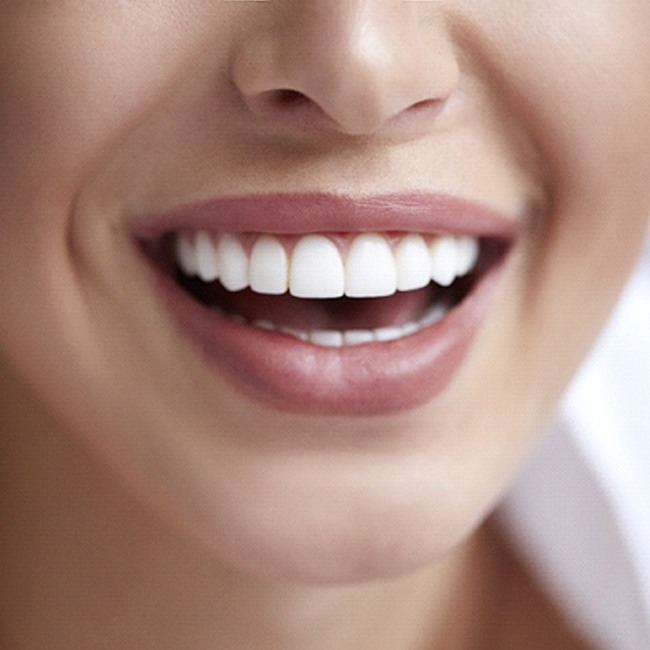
<point>332,313</point>
<point>327,314</point>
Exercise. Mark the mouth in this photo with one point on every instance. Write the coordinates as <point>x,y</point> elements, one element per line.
<point>324,304</point>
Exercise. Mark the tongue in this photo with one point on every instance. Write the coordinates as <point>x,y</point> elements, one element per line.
<point>308,314</point>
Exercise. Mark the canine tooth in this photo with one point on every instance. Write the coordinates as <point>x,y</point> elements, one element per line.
<point>468,251</point>
<point>326,338</point>
<point>206,258</point>
<point>358,337</point>
<point>269,266</point>
<point>316,269</point>
<point>443,255</point>
<point>370,268</point>
<point>234,263</point>
<point>186,255</point>
<point>412,263</point>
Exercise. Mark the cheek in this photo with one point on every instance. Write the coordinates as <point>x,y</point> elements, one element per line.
<point>579,78</point>
<point>576,79</point>
<point>74,81</point>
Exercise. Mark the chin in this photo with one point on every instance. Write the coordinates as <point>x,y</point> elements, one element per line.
<point>347,522</point>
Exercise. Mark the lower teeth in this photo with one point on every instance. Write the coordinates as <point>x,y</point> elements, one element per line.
<point>337,338</point>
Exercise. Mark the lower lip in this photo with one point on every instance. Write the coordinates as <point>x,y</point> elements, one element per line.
<point>373,379</point>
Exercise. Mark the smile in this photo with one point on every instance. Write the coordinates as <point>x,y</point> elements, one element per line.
<point>355,318</point>
<point>319,267</point>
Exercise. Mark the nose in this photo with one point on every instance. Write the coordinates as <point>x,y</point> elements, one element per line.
<point>352,66</point>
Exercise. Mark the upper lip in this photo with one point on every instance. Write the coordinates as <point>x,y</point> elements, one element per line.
<point>303,213</point>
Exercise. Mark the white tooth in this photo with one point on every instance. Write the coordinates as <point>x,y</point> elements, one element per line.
<point>234,263</point>
<point>186,255</point>
<point>316,269</point>
<point>206,258</point>
<point>388,333</point>
<point>269,266</point>
<point>357,337</point>
<point>299,334</point>
<point>237,318</point>
<point>438,312</point>
<point>218,310</point>
<point>468,250</point>
<point>370,268</point>
<point>410,328</point>
<point>264,325</point>
<point>442,251</point>
<point>412,263</point>
<point>326,338</point>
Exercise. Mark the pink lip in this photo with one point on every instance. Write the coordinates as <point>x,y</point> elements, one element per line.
<point>321,212</point>
<point>290,375</point>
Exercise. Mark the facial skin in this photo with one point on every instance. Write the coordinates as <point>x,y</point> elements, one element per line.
<point>111,110</point>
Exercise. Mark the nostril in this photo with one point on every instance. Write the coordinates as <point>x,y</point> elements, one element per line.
<point>285,97</point>
<point>288,96</point>
<point>292,107</point>
<point>289,104</point>
<point>424,104</point>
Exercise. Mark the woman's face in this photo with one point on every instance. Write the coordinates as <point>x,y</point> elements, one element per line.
<point>124,125</point>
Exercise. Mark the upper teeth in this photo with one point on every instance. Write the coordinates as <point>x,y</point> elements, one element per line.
<point>312,266</point>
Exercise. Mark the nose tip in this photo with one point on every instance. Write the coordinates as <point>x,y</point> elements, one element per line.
<point>350,67</point>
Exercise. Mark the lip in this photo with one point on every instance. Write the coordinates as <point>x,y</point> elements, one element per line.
<point>285,213</point>
<point>290,375</point>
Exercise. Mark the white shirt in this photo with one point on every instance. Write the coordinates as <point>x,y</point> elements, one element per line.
<point>580,512</point>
